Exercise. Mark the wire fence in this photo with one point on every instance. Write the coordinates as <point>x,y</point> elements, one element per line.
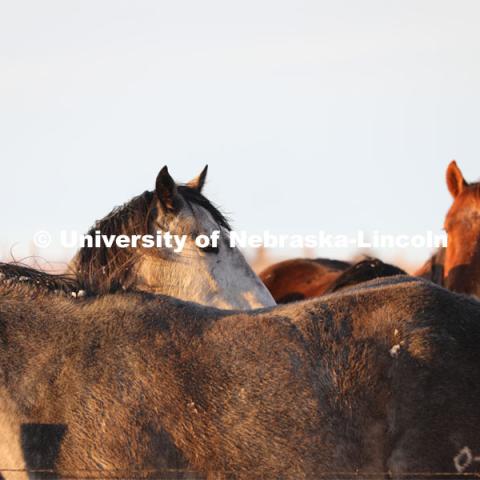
<point>171,474</point>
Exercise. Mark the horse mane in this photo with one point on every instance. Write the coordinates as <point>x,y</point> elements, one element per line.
<point>333,264</point>
<point>15,273</point>
<point>364,271</point>
<point>106,270</point>
<point>474,188</point>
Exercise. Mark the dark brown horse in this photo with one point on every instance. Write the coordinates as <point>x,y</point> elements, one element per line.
<point>212,276</point>
<point>381,378</point>
<point>457,267</point>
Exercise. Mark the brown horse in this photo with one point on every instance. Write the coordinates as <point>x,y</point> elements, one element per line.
<point>302,278</point>
<point>457,267</point>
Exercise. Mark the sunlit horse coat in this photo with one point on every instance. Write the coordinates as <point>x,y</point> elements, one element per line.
<point>382,377</point>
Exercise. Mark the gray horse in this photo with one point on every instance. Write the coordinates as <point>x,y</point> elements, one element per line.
<point>219,276</point>
<point>384,377</point>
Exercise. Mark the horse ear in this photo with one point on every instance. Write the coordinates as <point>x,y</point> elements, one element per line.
<point>455,181</point>
<point>198,182</point>
<point>166,191</point>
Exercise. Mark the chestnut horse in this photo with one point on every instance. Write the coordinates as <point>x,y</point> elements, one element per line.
<point>457,267</point>
<point>302,278</point>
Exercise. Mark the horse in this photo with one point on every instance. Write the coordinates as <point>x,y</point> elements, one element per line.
<point>215,275</point>
<point>380,377</point>
<point>302,278</point>
<point>457,267</point>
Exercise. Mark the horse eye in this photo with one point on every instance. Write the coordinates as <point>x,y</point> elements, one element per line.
<point>210,249</point>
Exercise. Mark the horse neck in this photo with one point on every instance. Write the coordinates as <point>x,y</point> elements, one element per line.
<point>196,282</point>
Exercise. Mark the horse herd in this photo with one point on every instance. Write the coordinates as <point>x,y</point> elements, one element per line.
<point>154,364</point>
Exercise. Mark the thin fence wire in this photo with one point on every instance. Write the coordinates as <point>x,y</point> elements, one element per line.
<point>163,474</point>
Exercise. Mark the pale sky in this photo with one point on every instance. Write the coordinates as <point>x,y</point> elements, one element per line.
<point>312,115</point>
